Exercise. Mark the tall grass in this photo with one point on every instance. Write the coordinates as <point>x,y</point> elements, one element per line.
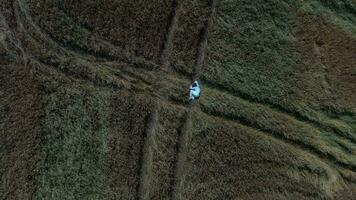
<point>341,12</point>
<point>227,160</point>
<point>251,49</point>
<point>290,128</point>
<point>73,145</point>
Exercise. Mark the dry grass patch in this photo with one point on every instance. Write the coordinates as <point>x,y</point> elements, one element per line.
<point>192,18</point>
<point>20,113</point>
<point>325,144</point>
<point>229,161</point>
<point>128,121</point>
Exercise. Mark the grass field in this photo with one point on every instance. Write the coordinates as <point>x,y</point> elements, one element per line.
<point>94,103</point>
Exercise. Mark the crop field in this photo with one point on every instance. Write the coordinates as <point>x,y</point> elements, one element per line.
<point>94,99</point>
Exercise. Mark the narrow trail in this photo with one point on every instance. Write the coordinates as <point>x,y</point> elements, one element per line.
<point>321,125</point>
<point>332,164</point>
<point>143,190</point>
<point>182,143</point>
<point>324,156</point>
<point>20,8</point>
<point>116,53</point>
<point>24,19</point>
<point>278,108</point>
<point>9,42</point>
<point>181,148</point>
<point>34,33</point>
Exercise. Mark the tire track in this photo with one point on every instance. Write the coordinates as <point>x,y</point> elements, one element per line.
<point>143,189</point>
<point>20,9</point>
<point>145,163</point>
<point>183,138</point>
<point>278,108</point>
<point>9,42</point>
<point>333,174</point>
<point>181,146</point>
<point>25,20</point>
<point>117,54</point>
<point>324,156</point>
<point>320,153</point>
<point>346,133</point>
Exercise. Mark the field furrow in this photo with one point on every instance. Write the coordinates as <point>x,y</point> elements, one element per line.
<point>179,172</point>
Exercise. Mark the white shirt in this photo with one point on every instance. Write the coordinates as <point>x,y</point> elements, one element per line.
<point>194,90</point>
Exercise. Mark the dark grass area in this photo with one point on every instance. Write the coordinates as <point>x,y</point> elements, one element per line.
<point>73,144</point>
<point>329,57</point>
<point>136,26</point>
<point>165,152</point>
<point>20,113</point>
<point>128,121</point>
<point>256,52</point>
<point>340,148</point>
<point>6,12</point>
<point>340,12</point>
<point>251,49</point>
<point>191,21</point>
<point>228,161</point>
<point>276,119</point>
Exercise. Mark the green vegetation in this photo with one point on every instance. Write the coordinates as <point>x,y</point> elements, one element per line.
<point>224,156</point>
<point>20,113</point>
<point>73,145</point>
<point>340,12</point>
<point>128,121</point>
<point>288,128</point>
<point>136,26</point>
<point>81,117</point>
<point>165,151</point>
<point>252,50</point>
<point>192,18</point>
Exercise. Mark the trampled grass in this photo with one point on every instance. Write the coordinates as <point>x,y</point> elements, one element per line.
<point>20,114</point>
<point>192,18</point>
<point>136,26</point>
<point>128,120</point>
<point>164,154</point>
<point>229,160</point>
<point>341,13</point>
<point>276,119</point>
<point>328,57</point>
<point>290,128</point>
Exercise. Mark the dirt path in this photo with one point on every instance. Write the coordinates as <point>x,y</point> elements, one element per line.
<point>21,8</point>
<point>24,20</point>
<point>331,165</point>
<point>143,191</point>
<point>181,147</point>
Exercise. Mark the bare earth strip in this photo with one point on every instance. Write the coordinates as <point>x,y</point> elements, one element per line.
<point>179,178</point>
<point>143,191</point>
<point>345,132</point>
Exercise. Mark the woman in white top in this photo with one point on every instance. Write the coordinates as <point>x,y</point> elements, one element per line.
<point>194,91</point>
